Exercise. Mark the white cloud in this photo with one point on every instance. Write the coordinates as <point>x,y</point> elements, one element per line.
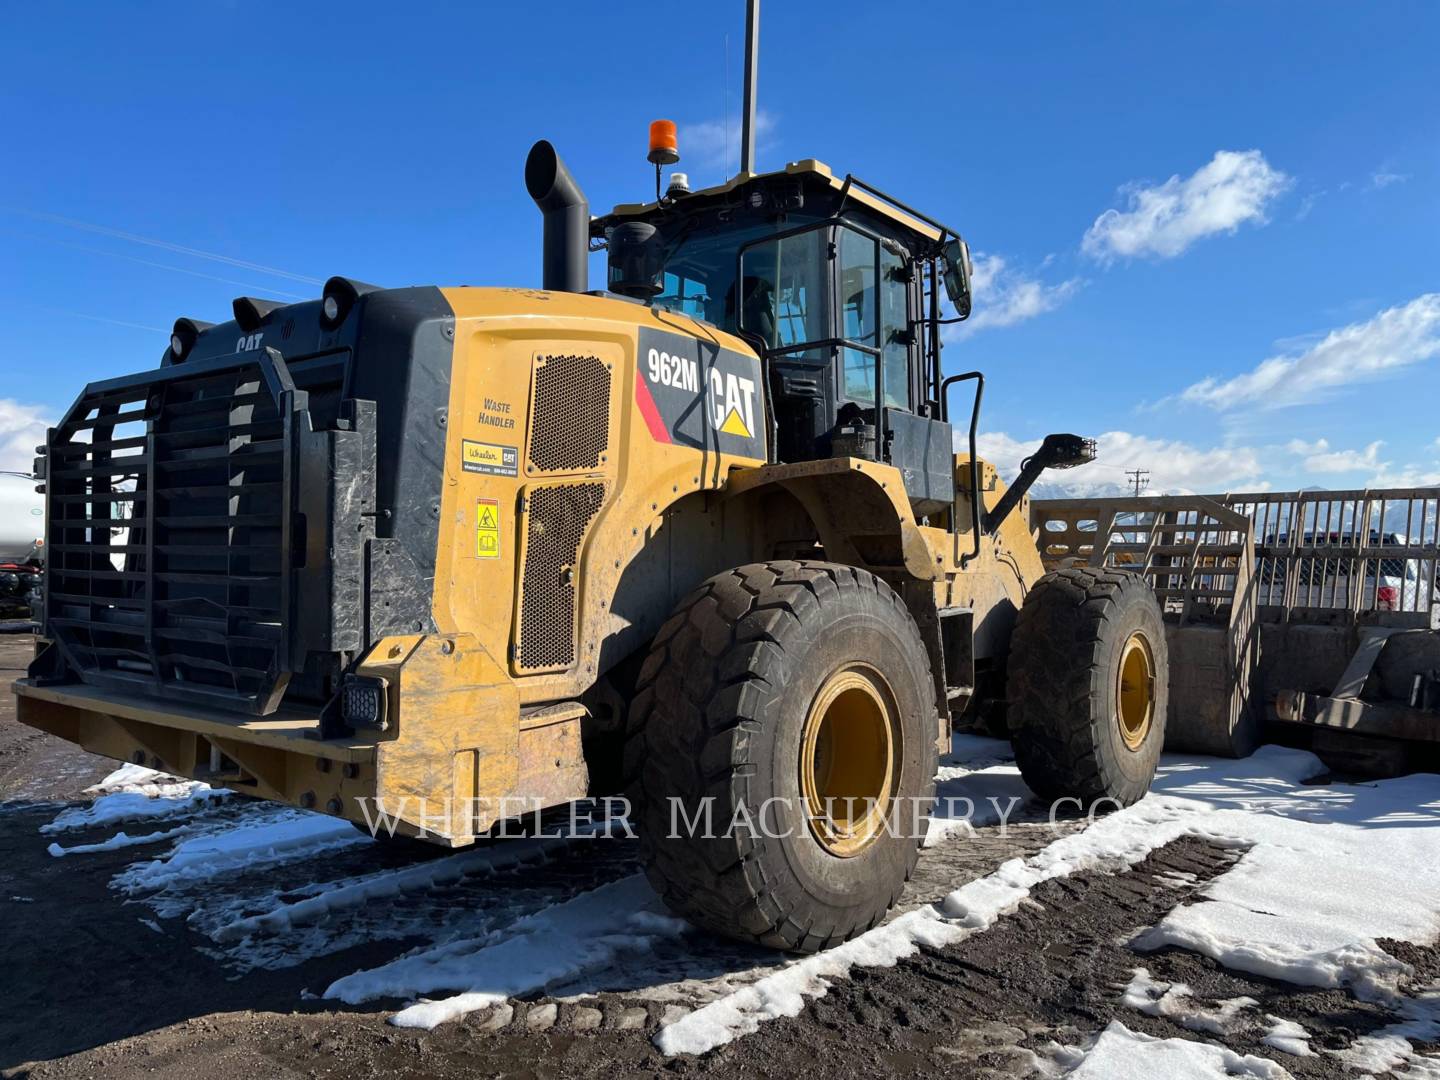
<point>1331,461</point>
<point>1307,204</point>
<point>1320,459</point>
<point>999,449</point>
<point>1383,178</point>
<point>1231,190</point>
<point>1361,352</point>
<point>710,144</point>
<point>1389,475</point>
<point>1180,468</point>
<point>1175,467</point>
<point>1005,296</point>
<point>22,428</point>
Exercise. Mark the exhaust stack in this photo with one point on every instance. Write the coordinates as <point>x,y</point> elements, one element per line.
<point>567,219</point>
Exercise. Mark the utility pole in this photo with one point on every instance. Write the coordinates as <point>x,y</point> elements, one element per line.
<point>1140,478</point>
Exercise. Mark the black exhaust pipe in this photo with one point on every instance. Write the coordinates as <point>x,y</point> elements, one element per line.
<point>567,219</point>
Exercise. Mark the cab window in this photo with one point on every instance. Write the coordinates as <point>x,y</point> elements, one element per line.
<point>895,328</point>
<point>783,289</point>
<point>685,294</point>
<point>881,325</point>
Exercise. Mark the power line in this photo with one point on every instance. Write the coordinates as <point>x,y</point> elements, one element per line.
<point>1140,478</point>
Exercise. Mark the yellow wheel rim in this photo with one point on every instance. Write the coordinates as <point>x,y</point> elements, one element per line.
<point>849,760</point>
<point>1135,691</point>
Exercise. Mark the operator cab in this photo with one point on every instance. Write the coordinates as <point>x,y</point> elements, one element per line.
<point>834,284</point>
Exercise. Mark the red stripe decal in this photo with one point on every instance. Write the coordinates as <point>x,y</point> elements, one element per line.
<point>643,398</point>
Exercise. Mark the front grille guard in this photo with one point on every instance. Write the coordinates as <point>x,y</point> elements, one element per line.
<point>298,510</point>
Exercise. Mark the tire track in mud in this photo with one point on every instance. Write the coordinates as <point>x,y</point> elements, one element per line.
<point>1052,972</point>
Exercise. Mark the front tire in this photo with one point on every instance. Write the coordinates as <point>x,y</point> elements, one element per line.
<point>796,695</point>
<point>1089,686</point>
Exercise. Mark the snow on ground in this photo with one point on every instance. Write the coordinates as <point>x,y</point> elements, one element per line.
<point>119,840</point>
<point>1122,1054</point>
<point>1307,901</point>
<point>274,835</point>
<point>1370,853</point>
<point>137,778</point>
<point>388,885</point>
<point>1390,1049</point>
<point>441,899</point>
<point>1288,1037</point>
<point>1174,1001</point>
<point>1122,839</point>
<point>978,784</point>
<point>583,934</point>
<point>1326,871</point>
<point>136,805</point>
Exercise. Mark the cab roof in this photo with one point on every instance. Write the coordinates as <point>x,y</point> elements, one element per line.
<point>811,174</point>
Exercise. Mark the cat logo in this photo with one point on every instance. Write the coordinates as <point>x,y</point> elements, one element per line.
<point>248,342</point>
<point>732,403</point>
<point>700,394</point>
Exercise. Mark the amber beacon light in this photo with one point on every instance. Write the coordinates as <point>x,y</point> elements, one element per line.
<point>664,149</point>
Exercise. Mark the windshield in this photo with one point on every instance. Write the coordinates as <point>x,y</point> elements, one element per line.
<point>699,276</point>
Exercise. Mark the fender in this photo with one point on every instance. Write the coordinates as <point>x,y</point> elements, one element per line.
<point>860,511</point>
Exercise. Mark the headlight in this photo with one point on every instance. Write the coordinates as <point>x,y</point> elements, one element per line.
<point>339,297</point>
<point>363,702</point>
<point>184,336</point>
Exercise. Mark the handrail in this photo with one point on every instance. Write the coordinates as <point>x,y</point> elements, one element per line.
<point>974,457</point>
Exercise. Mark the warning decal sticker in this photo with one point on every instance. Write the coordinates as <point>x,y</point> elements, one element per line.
<point>489,458</point>
<point>487,529</point>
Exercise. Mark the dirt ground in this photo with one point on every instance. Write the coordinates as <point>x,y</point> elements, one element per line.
<point>90,989</point>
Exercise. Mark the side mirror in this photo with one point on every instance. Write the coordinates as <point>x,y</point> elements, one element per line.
<point>957,275</point>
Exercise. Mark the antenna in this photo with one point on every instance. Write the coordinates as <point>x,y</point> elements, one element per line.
<point>726,157</point>
<point>1140,478</point>
<point>752,63</point>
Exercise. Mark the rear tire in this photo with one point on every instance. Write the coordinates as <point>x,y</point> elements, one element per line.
<point>1089,686</point>
<point>773,688</point>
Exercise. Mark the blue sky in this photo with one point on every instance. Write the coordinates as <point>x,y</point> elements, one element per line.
<point>1206,232</point>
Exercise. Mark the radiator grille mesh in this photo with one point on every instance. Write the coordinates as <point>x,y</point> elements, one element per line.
<point>570,424</point>
<point>559,517</point>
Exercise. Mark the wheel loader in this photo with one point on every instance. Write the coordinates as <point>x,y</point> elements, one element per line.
<point>700,538</point>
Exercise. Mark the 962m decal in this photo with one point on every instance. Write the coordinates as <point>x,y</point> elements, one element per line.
<point>692,392</point>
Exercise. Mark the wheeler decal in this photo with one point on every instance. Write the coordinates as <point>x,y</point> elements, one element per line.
<point>489,458</point>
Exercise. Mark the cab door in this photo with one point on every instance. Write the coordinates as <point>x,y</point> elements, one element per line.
<point>879,314</point>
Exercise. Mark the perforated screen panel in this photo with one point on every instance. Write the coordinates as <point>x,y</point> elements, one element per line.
<point>557,520</point>
<point>570,418</point>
